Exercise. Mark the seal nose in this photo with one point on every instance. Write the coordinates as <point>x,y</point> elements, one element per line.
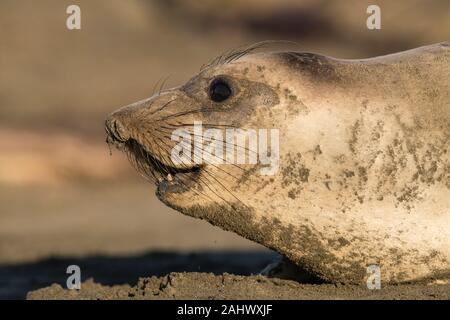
<point>115,129</point>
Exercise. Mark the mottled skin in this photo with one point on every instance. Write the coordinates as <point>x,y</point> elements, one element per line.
<point>364,172</point>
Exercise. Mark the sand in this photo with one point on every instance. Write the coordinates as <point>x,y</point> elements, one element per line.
<point>226,286</point>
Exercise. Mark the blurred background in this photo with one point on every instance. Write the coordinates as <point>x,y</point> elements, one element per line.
<point>63,198</point>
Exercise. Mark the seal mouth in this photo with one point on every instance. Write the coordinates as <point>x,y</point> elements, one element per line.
<point>162,174</point>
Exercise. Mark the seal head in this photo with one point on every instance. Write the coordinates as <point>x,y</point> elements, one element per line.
<point>359,174</point>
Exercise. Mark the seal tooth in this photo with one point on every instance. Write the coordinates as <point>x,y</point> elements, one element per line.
<point>169,177</point>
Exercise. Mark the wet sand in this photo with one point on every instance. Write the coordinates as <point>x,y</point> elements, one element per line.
<point>208,286</point>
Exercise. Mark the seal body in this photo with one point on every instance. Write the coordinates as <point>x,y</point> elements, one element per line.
<point>364,163</point>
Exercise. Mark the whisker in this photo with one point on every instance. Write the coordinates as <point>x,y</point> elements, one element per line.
<point>155,85</point>
<point>162,84</point>
<point>196,135</point>
<point>162,107</point>
<point>235,54</point>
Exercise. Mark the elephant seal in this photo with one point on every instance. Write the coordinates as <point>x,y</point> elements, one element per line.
<point>364,170</point>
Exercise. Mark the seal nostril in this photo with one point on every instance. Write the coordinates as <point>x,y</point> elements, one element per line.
<point>116,130</point>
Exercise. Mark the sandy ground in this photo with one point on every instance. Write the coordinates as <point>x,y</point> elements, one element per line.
<point>226,286</point>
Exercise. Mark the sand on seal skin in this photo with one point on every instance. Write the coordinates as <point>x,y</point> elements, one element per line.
<point>227,286</point>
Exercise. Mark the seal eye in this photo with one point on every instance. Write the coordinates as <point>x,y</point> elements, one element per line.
<point>219,90</point>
